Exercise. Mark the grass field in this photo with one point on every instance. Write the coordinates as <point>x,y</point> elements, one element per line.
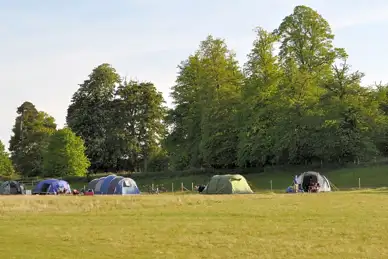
<point>330,225</point>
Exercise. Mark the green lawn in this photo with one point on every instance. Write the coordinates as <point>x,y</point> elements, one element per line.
<point>332,225</point>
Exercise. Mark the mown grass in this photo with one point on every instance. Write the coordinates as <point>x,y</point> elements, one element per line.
<point>331,225</point>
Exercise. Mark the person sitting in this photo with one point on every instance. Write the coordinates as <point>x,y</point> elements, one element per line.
<point>200,188</point>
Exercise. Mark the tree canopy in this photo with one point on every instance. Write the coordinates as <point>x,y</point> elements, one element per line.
<point>6,168</point>
<point>65,155</point>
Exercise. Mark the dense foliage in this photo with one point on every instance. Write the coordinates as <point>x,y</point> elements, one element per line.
<point>301,104</point>
<point>65,155</point>
<point>6,168</point>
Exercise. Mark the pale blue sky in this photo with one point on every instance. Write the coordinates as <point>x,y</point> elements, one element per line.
<point>48,47</point>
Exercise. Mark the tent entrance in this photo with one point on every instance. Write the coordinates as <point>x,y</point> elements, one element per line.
<point>45,187</point>
<point>13,188</point>
<point>308,179</point>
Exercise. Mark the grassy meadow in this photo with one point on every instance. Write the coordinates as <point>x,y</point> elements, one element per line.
<point>326,225</point>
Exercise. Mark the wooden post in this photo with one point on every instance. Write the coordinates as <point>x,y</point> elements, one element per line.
<point>359,183</point>
<point>172,187</point>
<point>271,185</point>
<point>182,187</point>
<point>152,187</point>
<point>192,186</point>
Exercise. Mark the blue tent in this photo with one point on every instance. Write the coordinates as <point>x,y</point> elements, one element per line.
<point>113,184</point>
<point>126,186</point>
<point>105,184</point>
<point>52,186</point>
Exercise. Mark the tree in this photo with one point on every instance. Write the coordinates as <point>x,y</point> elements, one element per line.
<point>259,102</point>
<point>65,155</point>
<point>140,129</point>
<point>6,168</point>
<point>30,138</point>
<point>307,40</point>
<point>90,115</point>
<point>183,141</point>
<point>206,94</point>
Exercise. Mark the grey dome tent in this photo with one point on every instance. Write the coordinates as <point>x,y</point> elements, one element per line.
<point>92,184</point>
<point>305,177</point>
<point>11,188</point>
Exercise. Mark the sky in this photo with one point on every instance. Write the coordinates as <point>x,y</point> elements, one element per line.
<point>49,47</point>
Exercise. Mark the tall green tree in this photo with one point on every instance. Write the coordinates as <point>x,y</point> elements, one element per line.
<point>206,95</point>
<point>307,40</point>
<point>30,138</point>
<point>140,129</point>
<point>220,99</point>
<point>91,116</point>
<point>6,168</point>
<point>259,102</point>
<point>183,142</point>
<point>65,155</point>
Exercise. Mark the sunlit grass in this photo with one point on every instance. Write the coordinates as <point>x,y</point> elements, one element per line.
<point>333,225</point>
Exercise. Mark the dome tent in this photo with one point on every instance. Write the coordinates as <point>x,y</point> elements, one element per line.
<point>92,184</point>
<point>97,188</point>
<point>228,184</point>
<point>116,185</point>
<point>51,186</point>
<point>126,186</point>
<point>105,184</point>
<point>113,184</point>
<point>11,188</point>
<point>304,180</point>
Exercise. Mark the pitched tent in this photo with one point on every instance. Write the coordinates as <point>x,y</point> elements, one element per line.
<point>11,188</point>
<point>52,186</point>
<point>97,189</point>
<point>126,186</point>
<point>228,184</point>
<point>113,184</point>
<point>92,184</point>
<point>105,184</point>
<point>304,180</point>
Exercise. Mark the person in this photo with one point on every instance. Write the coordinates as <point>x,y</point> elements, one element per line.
<point>200,188</point>
<point>296,184</point>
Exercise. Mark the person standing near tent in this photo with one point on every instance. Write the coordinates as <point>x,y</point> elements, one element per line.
<point>296,183</point>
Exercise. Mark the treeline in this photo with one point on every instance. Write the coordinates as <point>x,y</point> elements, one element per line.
<point>300,104</point>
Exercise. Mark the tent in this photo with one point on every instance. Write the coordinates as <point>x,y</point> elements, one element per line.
<point>11,188</point>
<point>105,184</point>
<point>92,184</point>
<point>113,184</point>
<point>126,186</point>
<point>52,186</point>
<point>304,180</point>
<point>227,184</point>
<point>97,189</point>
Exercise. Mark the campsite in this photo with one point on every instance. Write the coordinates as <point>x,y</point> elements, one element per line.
<point>193,129</point>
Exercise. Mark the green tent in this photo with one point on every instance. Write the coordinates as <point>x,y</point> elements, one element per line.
<point>228,184</point>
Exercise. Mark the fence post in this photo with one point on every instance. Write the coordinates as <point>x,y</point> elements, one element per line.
<point>172,187</point>
<point>152,186</point>
<point>359,183</point>
<point>182,187</point>
<point>271,185</point>
<point>192,186</point>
